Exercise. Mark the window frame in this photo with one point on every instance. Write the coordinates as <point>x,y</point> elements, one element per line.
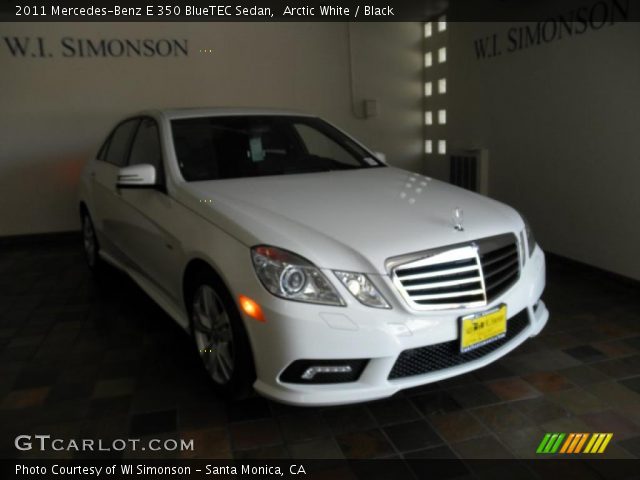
<point>107,143</point>
<point>161,184</point>
<point>160,173</point>
<point>102,151</point>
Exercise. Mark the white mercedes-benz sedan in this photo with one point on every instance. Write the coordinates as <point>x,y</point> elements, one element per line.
<point>302,265</point>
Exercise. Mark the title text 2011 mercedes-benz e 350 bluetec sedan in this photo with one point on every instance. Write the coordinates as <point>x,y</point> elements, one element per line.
<point>300,262</point>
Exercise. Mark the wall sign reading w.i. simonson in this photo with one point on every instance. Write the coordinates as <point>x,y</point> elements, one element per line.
<point>575,22</point>
<point>74,47</point>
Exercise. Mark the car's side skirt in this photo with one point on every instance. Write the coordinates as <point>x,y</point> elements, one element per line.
<point>150,288</point>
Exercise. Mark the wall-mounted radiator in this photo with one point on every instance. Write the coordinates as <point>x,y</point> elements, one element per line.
<point>470,169</point>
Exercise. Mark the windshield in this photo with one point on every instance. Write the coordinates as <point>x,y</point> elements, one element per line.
<point>212,148</point>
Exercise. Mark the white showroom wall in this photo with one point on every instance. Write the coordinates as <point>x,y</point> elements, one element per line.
<point>57,109</point>
<point>560,122</point>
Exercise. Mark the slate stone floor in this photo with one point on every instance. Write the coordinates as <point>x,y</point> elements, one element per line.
<point>87,359</point>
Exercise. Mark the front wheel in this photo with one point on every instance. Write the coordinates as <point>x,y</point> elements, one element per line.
<point>220,337</point>
<point>90,243</point>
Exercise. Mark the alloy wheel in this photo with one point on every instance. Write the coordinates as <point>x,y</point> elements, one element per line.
<point>89,241</point>
<point>213,334</point>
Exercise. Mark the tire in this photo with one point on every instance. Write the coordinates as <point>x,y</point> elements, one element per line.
<point>220,337</point>
<point>90,244</point>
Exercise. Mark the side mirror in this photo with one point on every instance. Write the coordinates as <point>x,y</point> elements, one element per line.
<point>137,176</point>
<point>381,156</point>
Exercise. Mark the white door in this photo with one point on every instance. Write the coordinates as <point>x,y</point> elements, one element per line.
<point>108,205</point>
<point>147,213</point>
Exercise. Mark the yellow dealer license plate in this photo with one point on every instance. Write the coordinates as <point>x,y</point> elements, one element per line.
<point>482,328</point>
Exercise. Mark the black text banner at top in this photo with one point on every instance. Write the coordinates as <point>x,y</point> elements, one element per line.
<point>318,11</point>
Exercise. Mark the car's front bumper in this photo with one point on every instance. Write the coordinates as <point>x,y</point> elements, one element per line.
<point>295,331</point>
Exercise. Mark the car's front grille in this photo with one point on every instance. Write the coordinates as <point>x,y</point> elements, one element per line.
<point>500,269</point>
<point>461,276</point>
<point>418,361</point>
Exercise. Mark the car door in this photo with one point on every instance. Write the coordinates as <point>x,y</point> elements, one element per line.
<point>148,214</point>
<point>108,205</point>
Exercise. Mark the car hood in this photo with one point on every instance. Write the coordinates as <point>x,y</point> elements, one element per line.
<point>351,220</point>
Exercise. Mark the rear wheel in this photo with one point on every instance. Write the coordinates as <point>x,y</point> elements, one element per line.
<point>220,337</point>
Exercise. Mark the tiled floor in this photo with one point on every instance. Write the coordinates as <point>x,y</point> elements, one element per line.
<point>100,360</point>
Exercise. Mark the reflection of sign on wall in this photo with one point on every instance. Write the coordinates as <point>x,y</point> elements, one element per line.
<point>575,22</point>
<point>73,47</point>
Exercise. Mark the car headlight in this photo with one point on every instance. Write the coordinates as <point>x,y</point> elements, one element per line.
<point>362,289</point>
<point>290,276</point>
<point>531,241</point>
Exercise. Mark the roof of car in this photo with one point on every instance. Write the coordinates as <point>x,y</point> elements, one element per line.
<point>172,113</point>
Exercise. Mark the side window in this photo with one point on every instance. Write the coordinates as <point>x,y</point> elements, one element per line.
<point>320,145</point>
<point>146,146</point>
<point>120,141</point>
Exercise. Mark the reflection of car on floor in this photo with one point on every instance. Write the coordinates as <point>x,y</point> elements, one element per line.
<point>300,262</point>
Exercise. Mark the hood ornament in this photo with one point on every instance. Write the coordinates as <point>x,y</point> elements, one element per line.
<point>458,217</point>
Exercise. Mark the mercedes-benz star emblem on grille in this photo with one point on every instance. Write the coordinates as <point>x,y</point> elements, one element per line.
<point>457,217</point>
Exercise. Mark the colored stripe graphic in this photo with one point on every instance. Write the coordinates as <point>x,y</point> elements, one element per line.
<point>573,443</point>
<point>598,442</point>
<point>606,441</point>
<point>567,442</point>
<point>550,443</point>
<point>593,439</point>
<point>543,443</point>
<point>581,442</point>
<point>596,446</point>
<point>556,446</point>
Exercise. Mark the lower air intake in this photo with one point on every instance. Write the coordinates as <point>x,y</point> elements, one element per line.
<point>421,360</point>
